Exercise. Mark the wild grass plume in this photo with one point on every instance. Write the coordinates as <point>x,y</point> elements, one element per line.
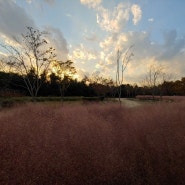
<point>93,144</point>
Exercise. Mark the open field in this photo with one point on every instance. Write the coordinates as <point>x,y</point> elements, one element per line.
<point>79,144</point>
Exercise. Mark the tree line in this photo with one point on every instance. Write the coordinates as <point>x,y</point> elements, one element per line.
<point>12,84</point>
<point>31,68</point>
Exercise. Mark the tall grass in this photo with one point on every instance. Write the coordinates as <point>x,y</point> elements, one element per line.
<point>92,144</point>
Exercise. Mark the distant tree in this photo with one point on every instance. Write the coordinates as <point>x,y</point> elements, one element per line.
<point>65,72</point>
<point>5,75</point>
<point>183,85</point>
<point>154,78</point>
<point>30,58</point>
<point>102,86</point>
<point>168,88</point>
<point>179,87</point>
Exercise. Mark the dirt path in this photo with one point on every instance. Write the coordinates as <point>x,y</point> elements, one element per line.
<point>129,103</point>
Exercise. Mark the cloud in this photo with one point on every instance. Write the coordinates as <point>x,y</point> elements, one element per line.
<point>46,1</point>
<point>172,45</point>
<point>151,20</point>
<point>137,13</point>
<point>50,1</point>
<point>113,21</point>
<point>91,37</point>
<point>91,3</point>
<point>57,40</point>
<point>170,54</point>
<point>13,23</point>
<point>13,19</point>
<point>143,46</point>
<point>83,54</point>
<point>82,73</point>
<point>68,15</point>
<point>29,1</point>
<point>107,43</point>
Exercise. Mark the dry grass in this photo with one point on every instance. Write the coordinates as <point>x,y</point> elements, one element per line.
<point>93,144</point>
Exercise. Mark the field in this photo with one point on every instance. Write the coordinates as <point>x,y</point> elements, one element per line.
<point>93,144</point>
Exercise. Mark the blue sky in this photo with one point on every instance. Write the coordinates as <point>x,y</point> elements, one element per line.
<point>89,32</point>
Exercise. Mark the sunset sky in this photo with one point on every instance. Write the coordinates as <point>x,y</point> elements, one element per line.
<point>89,32</point>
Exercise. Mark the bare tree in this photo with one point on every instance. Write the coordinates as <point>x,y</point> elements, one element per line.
<point>154,77</point>
<point>30,58</point>
<point>121,66</point>
<point>65,72</point>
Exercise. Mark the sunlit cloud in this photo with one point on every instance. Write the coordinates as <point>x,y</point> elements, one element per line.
<point>9,41</point>
<point>2,54</point>
<point>84,54</point>
<point>82,73</point>
<point>113,21</point>
<point>108,42</point>
<point>137,13</point>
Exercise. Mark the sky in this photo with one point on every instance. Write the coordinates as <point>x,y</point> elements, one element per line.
<point>90,32</point>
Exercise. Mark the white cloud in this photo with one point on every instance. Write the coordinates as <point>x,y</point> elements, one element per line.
<point>83,54</point>
<point>151,20</point>
<point>137,13</point>
<point>113,21</point>
<point>91,3</point>
<point>107,43</point>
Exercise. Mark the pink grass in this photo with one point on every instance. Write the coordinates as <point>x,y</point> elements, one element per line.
<point>92,144</point>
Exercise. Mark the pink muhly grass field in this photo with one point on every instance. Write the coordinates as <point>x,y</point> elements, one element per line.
<point>42,144</point>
